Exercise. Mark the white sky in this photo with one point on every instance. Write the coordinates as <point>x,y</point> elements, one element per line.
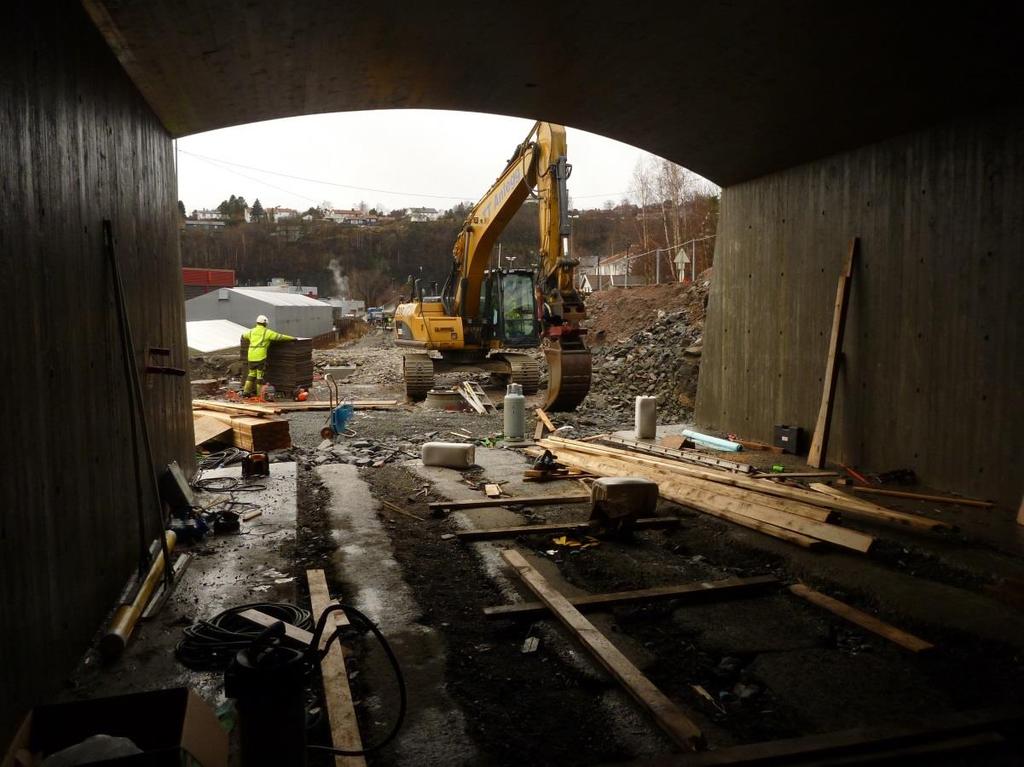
<point>418,158</point>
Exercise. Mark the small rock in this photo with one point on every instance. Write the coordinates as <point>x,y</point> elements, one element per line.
<point>745,691</point>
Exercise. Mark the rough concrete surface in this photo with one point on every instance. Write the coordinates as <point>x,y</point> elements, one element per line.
<point>434,732</point>
<point>227,570</point>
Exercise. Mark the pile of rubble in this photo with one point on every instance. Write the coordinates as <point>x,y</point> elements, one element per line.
<point>661,360</point>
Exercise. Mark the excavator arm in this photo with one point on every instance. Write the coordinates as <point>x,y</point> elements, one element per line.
<point>538,162</point>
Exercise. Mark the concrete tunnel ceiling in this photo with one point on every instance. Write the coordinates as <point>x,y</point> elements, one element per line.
<point>731,90</point>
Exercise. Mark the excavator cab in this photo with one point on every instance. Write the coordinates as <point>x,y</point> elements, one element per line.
<point>510,308</point>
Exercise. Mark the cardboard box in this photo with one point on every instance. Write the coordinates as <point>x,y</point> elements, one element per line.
<point>174,728</point>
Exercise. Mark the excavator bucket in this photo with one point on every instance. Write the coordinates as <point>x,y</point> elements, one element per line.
<point>568,377</point>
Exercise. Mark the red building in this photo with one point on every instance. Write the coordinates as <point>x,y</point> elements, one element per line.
<point>200,281</point>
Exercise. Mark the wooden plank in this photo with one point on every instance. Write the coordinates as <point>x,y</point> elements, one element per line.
<point>536,500</point>
<point>672,720</point>
<point>921,496</point>
<point>543,418</point>
<point>743,511</point>
<point>254,432</point>
<point>880,514</point>
<point>691,456</point>
<point>796,474</point>
<point>862,619</point>
<point>234,408</point>
<point>720,477</point>
<point>819,442</point>
<point>492,491</point>
<point>260,618</point>
<point>708,496</point>
<point>688,592</point>
<point>644,523</point>
<point>538,431</point>
<point>207,428</point>
<point>337,695</point>
<point>359,404</point>
<point>864,741</point>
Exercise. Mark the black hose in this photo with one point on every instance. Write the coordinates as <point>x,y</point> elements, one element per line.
<point>361,622</point>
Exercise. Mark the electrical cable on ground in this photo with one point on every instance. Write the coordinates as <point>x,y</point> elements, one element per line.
<point>211,645</point>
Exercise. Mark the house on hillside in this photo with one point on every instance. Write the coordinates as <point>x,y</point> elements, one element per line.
<point>611,272</point>
<point>290,313</point>
<point>280,214</point>
<point>351,217</point>
<point>211,224</point>
<point>419,215</point>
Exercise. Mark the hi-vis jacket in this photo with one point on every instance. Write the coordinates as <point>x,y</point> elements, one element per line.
<point>260,338</point>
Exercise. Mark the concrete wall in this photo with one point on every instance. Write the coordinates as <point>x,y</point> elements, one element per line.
<point>77,145</point>
<point>935,339</point>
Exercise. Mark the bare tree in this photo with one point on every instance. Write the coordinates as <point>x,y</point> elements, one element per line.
<point>642,189</point>
<point>371,285</point>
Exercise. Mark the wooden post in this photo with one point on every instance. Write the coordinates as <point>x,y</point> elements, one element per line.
<point>819,443</point>
<point>668,716</point>
<point>337,696</point>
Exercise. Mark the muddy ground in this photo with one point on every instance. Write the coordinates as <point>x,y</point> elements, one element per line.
<point>774,665</point>
<point>763,667</point>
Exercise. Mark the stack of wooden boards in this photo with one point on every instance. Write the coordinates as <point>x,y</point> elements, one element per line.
<point>248,427</point>
<point>793,514</point>
<point>289,364</point>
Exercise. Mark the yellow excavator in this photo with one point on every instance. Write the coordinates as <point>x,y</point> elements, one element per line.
<point>483,315</point>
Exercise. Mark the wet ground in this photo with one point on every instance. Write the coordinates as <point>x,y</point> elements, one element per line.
<point>772,665</point>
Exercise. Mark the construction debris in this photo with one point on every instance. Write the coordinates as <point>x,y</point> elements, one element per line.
<point>798,516</point>
<point>667,715</point>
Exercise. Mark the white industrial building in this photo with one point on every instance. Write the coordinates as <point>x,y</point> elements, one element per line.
<point>288,313</point>
<point>213,336</point>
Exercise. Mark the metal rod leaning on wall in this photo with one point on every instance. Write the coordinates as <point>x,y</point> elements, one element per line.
<point>137,413</point>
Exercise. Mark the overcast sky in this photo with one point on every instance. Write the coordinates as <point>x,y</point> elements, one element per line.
<point>394,159</point>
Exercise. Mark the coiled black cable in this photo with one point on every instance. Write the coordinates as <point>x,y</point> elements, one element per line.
<point>211,645</point>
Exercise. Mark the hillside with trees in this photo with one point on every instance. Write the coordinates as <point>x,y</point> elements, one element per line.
<point>667,209</point>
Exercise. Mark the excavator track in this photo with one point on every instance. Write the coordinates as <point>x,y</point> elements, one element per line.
<point>523,370</point>
<point>418,373</point>
<point>568,376</point>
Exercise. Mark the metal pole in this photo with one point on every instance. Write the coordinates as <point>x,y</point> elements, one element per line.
<point>693,266</point>
<point>657,267</point>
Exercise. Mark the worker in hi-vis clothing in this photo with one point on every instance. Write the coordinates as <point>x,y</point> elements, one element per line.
<point>259,338</point>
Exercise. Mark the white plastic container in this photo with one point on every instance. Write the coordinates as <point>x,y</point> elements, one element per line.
<point>646,417</point>
<point>515,412</point>
<point>453,455</point>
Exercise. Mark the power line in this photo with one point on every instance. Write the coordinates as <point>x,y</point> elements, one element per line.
<point>329,183</point>
<point>252,178</point>
<point>460,197</point>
